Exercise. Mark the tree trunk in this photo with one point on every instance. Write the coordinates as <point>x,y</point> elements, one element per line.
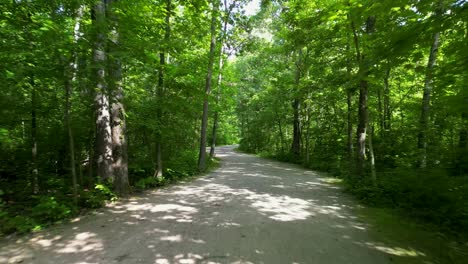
<point>103,143</point>
<point>35,171</point>
<point>362,126</point>
<point>119,143</point>
<point>372,158</point>
<point>387,115</point>
<point>428,86</point>
<point>209,74</point>
<point>218,96</point>
<point>307,137</point>
<point>220,77</point>
<point>296,143</point>
<point>70,80</point>
<point>363,114</point>
<point>118,125</point>
<point>160,89</point>
<point>349,98</point>
<point>71,143</point>
<point>350,149</point>
<point>280,128</point>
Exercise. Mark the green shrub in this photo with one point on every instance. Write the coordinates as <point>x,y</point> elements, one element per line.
<point>432,196</point>
<point>150,182</point>
<point>50,210</point>
<point>96,197</point>
<point>20,224</point>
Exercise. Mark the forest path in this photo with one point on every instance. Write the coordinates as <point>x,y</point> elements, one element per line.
<point>250,210</point>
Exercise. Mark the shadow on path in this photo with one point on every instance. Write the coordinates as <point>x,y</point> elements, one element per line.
<point>250,210</point>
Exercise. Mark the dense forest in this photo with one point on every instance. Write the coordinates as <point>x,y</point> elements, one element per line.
<point>103,98</point>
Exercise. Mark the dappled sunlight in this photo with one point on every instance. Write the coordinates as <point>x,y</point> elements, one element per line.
<point>176,238</point>
<point>281,208</point>
<point>396,251</point>
<point>315,185</point>
<point>236,215</point>
<point>82,242</point>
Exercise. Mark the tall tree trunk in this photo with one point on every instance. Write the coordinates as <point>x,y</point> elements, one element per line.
<point>350,148</point>
<point>372,158</point>
<point>363,114</point>
<point>463,143</point>
<point>228,11</point>
<point>380,111</point>
<point>387,115</point>
<point>218,96</point>
<point>296,143</point>
<point>70,80</point>
<point>119,143</point>
<point>118,125</point>
<point>35,171</point>
<point>209,74</point>
<point>280,128</point>
<point>103,143</point>
<point>349,100</point>
<point>426,101</point>
<point>160,89</point>
<point>71,143</point>
<point>307,137</point>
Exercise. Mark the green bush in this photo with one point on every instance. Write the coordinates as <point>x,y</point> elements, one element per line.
<point>50,210</point>
<point>432,196</point>
<point>97,197</point>
<point>150,182</point>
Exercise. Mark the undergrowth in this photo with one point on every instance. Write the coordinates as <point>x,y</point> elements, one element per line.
<point>21,212</point>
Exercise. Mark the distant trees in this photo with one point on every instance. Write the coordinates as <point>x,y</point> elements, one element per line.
<point>105,93</point>
<point>380,98</point>
<point>366,71</point>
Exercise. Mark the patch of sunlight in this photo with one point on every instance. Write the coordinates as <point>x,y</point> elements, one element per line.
<point>397,251</point>
<point>189,258</point>
<point>359,227</point>
<point>198,241</point>
<point>83,242</point>
<point>281,186</point>
<point>228,224</point>
<point>258,175</point>
<point>45,242</point>
<point>330,180</point>
<point>282,208</point>
<point>175,238</point>
<point>15,255</point>
<point>230,171</point>
<point>155,208</point>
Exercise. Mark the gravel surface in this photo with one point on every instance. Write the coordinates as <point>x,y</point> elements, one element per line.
<point>250,210</point>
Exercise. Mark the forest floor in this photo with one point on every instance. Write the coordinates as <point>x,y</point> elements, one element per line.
<point>250,210</point>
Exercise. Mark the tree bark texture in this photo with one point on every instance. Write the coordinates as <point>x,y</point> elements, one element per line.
<point>103,142</point>
<point>160,89</point>
<point>118,125</point>
<point>363,114</point>
<point>209,75</point>
<point>296,143</point>
<point>34,171</point>
<point>426,101</point>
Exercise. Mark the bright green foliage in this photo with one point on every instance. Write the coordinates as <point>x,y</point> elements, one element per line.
<point>320,53</point>
<point>48,46</point>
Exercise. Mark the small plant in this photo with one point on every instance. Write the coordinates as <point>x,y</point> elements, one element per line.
<point>150,182</point>
<point>50,210</point>
<point>96,197</point>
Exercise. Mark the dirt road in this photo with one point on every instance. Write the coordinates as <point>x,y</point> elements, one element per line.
<point>250,210</point>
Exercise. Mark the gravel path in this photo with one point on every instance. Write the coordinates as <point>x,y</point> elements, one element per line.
<point>250,210</point>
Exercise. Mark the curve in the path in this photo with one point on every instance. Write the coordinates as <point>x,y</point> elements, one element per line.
<point>250,210</point>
